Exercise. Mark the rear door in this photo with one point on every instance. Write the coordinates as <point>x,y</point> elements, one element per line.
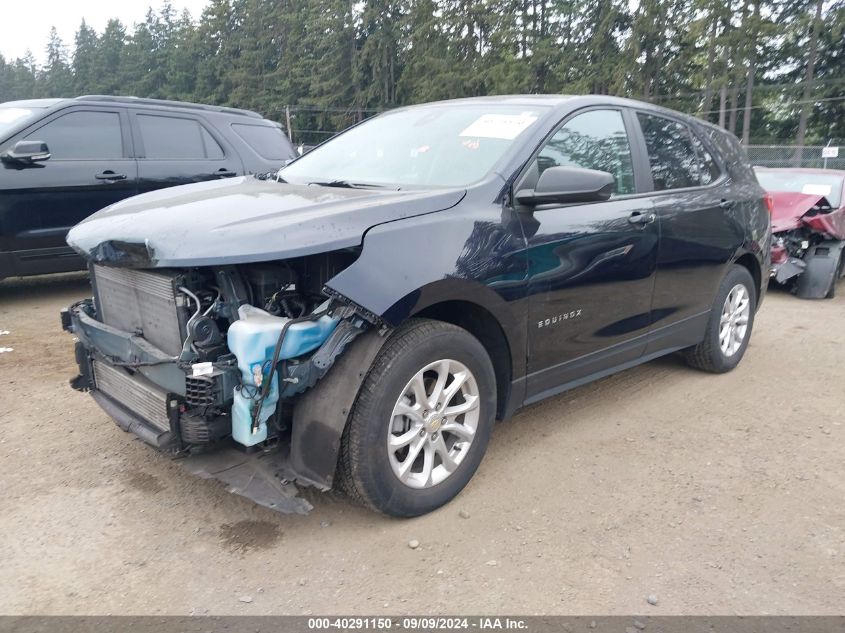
<point>591,266</point>
<point>177,149</point>
<point>89,168</point>
<point>700,229</point>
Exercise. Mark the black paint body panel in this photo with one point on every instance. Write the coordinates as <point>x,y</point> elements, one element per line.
<point>578,290</point>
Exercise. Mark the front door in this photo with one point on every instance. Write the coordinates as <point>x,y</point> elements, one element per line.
<point>89,168</point>
<point>591,266</point>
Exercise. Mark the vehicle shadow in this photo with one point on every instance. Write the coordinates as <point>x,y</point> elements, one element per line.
<point>778,289</point>
<point>43,287</point>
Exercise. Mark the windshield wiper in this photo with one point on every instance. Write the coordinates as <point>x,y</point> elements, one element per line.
<point>345,184</point>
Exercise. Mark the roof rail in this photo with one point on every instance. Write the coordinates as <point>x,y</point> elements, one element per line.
<point>169,103</point>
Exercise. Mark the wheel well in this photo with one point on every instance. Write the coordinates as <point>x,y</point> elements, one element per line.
<point>483,326</point>
<point>750,262</point>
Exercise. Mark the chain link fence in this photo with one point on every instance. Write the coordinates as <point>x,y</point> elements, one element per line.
<point>794,156</point>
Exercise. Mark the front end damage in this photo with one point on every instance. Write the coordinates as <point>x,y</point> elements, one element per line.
<point>213,365</point>
<point>807,244</point>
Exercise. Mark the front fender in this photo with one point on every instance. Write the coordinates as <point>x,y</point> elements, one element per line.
<point>474,256</point>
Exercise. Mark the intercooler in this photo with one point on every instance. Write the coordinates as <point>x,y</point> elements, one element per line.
<point>142,302</point>
<point>135,393</point>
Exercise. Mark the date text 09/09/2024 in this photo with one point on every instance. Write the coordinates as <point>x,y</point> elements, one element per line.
<point>416,623</point>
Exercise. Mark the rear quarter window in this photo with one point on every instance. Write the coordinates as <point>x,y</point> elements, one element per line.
<point>268,141</point>
<point>733,154</point>
<point>710,171</point>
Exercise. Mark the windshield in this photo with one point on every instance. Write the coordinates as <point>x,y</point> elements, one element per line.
<point>423,146</point>
<point>11,116</point>
<point>827,185</point>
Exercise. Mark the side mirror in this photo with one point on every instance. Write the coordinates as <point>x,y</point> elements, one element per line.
<point>27,152</point>
<point>561,185</point>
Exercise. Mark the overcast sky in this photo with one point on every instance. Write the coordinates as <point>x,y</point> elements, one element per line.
<point>25,24</point>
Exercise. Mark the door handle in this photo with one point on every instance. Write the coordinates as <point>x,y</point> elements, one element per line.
<point>638,217</point>
<point>110,175</point>
<point>726,204</point>
<point>225,173</point>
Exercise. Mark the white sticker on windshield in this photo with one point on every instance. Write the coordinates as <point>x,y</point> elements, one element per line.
<point>816,190</point>
<point>504,126</point>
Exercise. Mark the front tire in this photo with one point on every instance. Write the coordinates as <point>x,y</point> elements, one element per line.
<point>729,325</point>
<point>422,420</point>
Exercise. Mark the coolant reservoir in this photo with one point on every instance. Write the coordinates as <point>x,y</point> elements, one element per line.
<point>252,339</point>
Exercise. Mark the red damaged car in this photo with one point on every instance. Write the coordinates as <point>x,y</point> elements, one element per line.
<point>808,228</point>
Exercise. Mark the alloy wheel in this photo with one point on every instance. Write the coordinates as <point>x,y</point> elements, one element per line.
<point>733,325</point>
<point>433,424</point>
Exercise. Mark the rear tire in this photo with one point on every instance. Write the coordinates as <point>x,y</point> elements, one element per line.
<point>729,325</point>
<point>422,420</point>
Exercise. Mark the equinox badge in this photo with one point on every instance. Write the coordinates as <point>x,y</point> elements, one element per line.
<point>566,316</point>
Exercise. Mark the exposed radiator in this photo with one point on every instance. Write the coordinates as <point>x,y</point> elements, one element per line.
<point>135,393</point>
<point>141,301</point>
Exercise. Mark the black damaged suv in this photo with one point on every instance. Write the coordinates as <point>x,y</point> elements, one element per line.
<point>63,159</point>
<point>364,318</point>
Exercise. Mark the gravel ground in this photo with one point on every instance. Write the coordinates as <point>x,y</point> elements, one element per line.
<point>708,494</point>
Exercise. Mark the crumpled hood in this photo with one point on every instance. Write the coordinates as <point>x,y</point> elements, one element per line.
<point>789,207</point>
<point>242,220</point>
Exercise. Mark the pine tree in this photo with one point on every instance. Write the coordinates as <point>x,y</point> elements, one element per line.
<point>112,78</point>
<point>24,70</point>
<point>56,78</point>
<point>378,64</point>
<point>214,36</point>
<point>86,60</point>
<point>765,68</point>
<point>6,80</point>
<point>432,68</point>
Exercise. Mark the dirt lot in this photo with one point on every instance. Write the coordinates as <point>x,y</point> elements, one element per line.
<point>717,494</point>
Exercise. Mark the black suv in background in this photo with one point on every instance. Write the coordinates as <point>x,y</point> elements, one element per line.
<point>63,159</point>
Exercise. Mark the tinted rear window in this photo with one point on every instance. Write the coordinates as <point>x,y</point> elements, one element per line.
<point>268,141</point>
<point>674,163</point>
<point>176,138</point>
